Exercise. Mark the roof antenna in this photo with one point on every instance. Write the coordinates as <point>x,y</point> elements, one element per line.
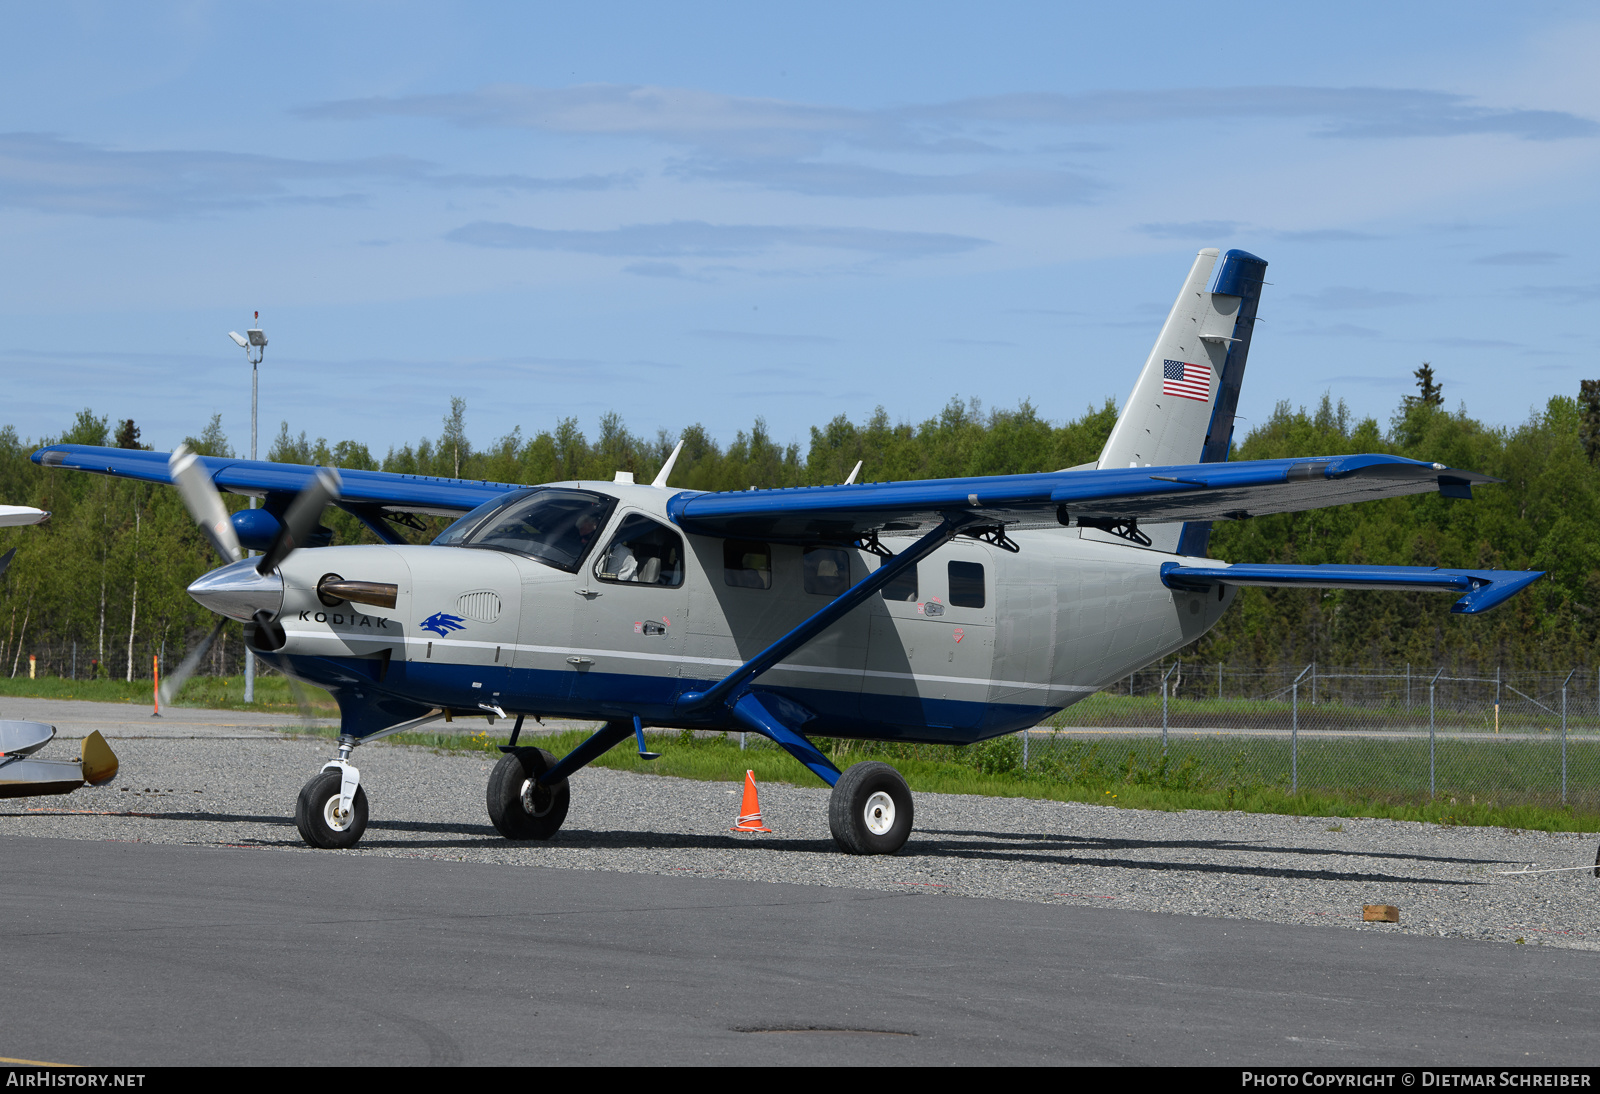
<point>666,468</point>
<point>853,474</point>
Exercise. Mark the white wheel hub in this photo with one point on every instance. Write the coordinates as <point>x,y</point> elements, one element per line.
<point>339,822</point>
<point>879,813</point>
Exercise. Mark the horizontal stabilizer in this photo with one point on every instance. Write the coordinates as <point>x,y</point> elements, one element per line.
<point>1480,589</point>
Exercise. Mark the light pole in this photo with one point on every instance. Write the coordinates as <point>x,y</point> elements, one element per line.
<point>254,344</point>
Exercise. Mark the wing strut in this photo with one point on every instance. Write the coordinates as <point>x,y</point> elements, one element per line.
<point>726,691</point>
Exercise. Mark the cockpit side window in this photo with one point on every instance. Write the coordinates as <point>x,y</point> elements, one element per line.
<point>643,552</point>
<point>556,527</point>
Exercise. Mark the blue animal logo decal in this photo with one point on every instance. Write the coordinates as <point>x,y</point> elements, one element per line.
<point>442,624</point>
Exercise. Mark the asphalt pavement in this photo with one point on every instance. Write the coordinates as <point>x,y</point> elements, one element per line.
<point>174,917</point>
<point>134,954</point>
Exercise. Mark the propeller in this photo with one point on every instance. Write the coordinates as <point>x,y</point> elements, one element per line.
<point>174,681</point>
<point>200,497</point>
<point>300,520</point>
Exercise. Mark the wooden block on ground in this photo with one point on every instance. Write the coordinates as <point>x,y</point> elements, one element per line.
<point>1380,913</point>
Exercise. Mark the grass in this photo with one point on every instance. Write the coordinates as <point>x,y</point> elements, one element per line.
<point>207,692</point>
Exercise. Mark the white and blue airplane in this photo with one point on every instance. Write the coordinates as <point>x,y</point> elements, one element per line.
<point>946,610</point>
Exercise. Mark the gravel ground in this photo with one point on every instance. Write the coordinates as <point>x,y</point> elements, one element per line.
<point>225,778</point>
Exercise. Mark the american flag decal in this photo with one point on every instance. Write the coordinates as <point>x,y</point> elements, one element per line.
<point>1186,381</point>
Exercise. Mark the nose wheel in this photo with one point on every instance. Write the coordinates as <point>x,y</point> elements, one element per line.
<point>870,811</point>
<point>323,820</point>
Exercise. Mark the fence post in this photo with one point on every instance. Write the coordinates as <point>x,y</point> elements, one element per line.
<point>741,740</point>
<point>1294,730</point>
<point>1408,685</point>
<point>1219,680</point>
<point>1564,684</point>
<point>1313,683</point>
<point>1164,711</point>
<point>1025,735</point>
<point>1431,790</point>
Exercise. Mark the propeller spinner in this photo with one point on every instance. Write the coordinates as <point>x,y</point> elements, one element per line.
<point>249,590</point>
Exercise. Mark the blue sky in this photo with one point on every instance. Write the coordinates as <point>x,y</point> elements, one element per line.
<point>712,212</point>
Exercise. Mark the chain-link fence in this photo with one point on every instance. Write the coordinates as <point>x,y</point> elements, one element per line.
<point>1413,735</point>
<point>1522,738</point>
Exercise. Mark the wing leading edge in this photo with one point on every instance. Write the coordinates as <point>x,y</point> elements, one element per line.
<point>378,489</point>
<point>1154,495</point>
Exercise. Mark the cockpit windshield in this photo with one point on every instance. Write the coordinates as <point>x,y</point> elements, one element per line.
<point>556,527</point>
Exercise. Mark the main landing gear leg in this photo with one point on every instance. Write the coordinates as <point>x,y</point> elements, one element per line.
<point>870,811</point>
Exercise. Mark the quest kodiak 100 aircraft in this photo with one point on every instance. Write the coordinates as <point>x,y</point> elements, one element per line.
<point>946,610</point>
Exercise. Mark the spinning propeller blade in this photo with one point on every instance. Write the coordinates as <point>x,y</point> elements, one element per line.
<point>204,504</point>
<point>300,520</point>
<point>173,684</point>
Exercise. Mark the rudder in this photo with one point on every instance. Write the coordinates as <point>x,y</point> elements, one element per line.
<point>1181,410</point>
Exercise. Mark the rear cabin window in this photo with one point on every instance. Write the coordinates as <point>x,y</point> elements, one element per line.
<point>966,584</point>
<point>746,564</point>
<point>903,586</point>
<point>827,570</point>
<point>642,552</point>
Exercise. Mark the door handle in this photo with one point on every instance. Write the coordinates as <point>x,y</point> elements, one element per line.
<point>580,660</point>
<point>587,593</point>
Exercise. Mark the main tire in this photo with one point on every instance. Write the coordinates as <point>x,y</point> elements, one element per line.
<point>519,807</point>
<point>870,811</point>
<point>316,813</point>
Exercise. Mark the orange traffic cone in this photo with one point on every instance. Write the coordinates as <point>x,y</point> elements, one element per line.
<point>750,810</point>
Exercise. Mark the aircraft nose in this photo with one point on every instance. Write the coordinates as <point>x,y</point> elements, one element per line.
<point>238,592</point>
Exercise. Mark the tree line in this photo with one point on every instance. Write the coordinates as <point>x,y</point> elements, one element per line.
<point>100,588</point>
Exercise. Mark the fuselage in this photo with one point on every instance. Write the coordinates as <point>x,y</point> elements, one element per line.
<point>979,642</point>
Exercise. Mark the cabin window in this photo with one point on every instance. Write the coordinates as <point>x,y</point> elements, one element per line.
<point>556,527</point>
<point>643,552</point>
<point>966,585</point>
<point>903,586</point>
<point>827,570</point>
<point>746,564</point>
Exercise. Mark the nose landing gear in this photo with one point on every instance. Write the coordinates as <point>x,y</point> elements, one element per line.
<point>329,814</point>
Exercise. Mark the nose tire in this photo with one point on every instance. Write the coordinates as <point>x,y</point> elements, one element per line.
<point>316,814</point>
<point>518,806</point>
<point>870,811</point>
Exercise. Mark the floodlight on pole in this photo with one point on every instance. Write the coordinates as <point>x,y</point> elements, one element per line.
<point>254,344</point>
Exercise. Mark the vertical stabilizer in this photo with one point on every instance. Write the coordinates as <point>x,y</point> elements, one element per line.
<point>1181,409</point>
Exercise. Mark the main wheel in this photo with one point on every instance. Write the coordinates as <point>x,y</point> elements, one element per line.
<point>870,811</point>
<point>317,815</point>
<point>519,807</point>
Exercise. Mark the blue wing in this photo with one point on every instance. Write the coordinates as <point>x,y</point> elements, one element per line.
<point>1198,492</point>
<point>358,489</point>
